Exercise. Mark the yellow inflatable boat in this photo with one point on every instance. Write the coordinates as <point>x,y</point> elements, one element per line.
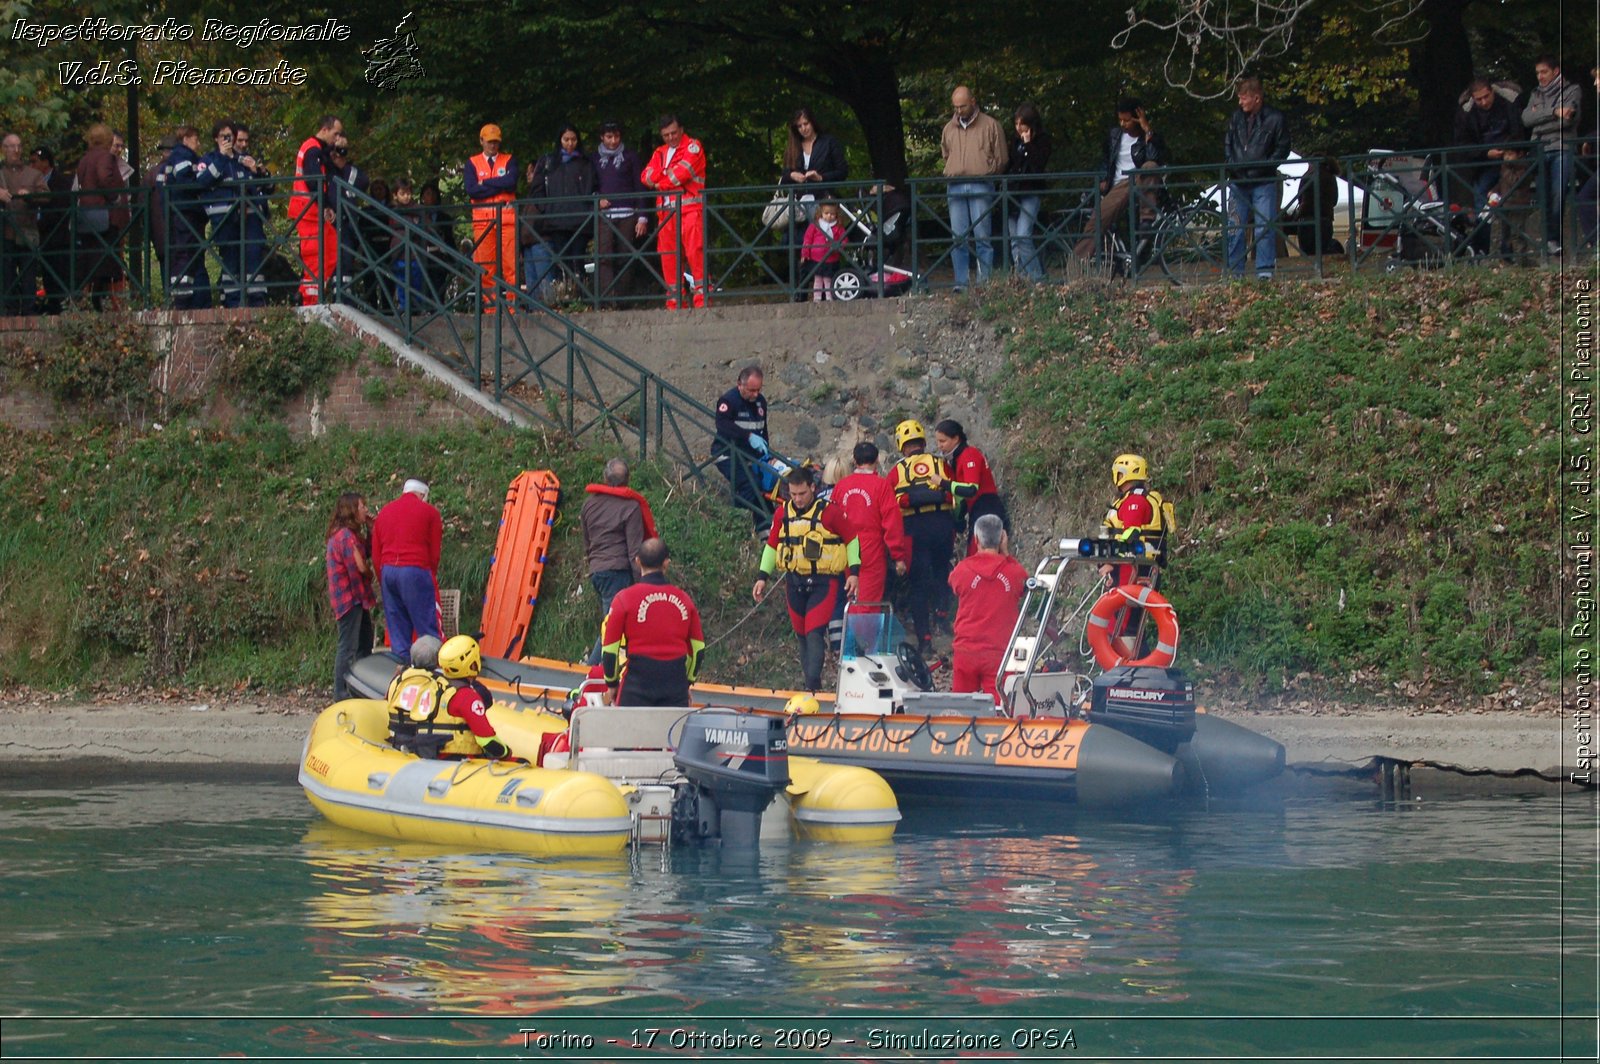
<point>356,779</point>
<point>655,775</point>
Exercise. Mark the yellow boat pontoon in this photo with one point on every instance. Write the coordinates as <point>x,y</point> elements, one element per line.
<point>631,774</point>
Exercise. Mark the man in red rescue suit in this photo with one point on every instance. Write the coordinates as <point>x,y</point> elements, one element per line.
<point>659,626</point>
<point>812,542</point>
<point>925,489</point>
<point>311,210</point>
<point>988,585</point>
<point>491,182</point>
<point>1138,515</point>
<point>677,171</point>
<point>867,499</point>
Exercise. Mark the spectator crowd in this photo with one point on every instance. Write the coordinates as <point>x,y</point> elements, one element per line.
<point>206,202</point>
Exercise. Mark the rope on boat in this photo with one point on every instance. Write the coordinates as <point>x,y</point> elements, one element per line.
<point>751,612</point>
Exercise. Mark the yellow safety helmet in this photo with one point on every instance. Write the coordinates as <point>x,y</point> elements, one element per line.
<point>802,704</point>
<point>460,658</point>
<point>908,430</point>
<point>1128,467</point>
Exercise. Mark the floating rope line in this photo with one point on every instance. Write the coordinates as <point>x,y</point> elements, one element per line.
<point>1378,763</point>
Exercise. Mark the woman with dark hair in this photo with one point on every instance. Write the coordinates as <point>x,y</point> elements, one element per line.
<point>559,183</point>
<point>970,467</point>
<point>1030,154</point>
<point>811,155</point>
<point>350,588</point>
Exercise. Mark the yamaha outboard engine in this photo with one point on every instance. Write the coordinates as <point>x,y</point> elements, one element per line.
<point>735,763</point>
<point>1155,706</point>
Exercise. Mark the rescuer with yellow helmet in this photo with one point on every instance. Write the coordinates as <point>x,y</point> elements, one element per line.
<point>926,489</point>
<point>813,543</point>
<point>1137,515</point>
<point>460,661</point>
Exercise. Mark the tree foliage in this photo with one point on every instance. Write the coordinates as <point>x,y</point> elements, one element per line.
<point>879,74</point>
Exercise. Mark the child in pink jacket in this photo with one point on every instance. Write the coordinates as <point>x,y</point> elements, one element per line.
<point>824,236</point>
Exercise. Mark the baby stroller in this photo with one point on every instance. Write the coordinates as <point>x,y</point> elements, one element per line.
<point>1403,211</point>
<point>862,271</point>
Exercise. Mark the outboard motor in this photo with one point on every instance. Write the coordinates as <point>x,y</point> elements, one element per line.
<point>735,763</point>
<point>1155,706</point>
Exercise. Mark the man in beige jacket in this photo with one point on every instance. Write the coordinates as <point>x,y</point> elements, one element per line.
<point>974,149</point>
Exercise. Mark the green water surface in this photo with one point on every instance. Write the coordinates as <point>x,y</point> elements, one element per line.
<point>205,919</point>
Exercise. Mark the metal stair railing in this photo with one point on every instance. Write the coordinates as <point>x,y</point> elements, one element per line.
<point>536,361</point>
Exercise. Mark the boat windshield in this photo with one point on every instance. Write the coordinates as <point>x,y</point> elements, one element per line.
<point>870,628</point>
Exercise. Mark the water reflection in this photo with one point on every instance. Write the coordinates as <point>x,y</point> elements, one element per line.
<point>962,921</point>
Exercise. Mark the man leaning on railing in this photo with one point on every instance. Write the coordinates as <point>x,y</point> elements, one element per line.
<point>21,187</point>
<point>1254,144</point>
<point>1551,118</point>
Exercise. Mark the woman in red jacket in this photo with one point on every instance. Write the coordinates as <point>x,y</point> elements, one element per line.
<point>970,467</point>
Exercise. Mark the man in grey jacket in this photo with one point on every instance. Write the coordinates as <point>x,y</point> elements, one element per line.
<point>1255,142</point>
<point>1551,118</point>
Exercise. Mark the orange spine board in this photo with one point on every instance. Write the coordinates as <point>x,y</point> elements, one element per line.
<point>520,553</point>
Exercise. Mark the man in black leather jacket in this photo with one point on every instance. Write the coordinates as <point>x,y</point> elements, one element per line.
<point>1254,144</point>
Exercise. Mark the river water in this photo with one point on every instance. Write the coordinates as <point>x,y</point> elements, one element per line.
<point>190,920</point>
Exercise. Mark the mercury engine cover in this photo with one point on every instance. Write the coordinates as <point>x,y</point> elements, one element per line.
<point>736,763</point>
<point>1155,706</point>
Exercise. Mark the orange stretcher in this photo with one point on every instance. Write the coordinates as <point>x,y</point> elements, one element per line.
<point>520,554</point>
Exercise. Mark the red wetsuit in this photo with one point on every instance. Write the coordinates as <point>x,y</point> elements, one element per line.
<point>659,625</point>
<point>869,506</point>
<point>988,589</point>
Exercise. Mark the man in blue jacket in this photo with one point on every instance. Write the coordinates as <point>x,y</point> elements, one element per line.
<point>1254,144</point>
<point>188,284</point>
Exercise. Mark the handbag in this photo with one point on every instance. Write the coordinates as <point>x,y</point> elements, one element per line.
<point>782,210</point>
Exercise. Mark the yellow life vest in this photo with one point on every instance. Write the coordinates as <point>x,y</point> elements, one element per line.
<point>417,695</point>
<point>1163,521</point>
<point>921,470</point>
<point>807,547</point>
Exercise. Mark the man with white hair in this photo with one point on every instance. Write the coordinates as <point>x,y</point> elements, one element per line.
<point>988,586</point>
<point>406,537</point>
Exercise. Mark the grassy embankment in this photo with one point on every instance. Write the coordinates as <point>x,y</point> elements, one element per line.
<point>194,556</point>
<point>1365,473</point>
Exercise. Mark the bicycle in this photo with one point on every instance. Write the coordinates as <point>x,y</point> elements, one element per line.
<point>1186,241</point>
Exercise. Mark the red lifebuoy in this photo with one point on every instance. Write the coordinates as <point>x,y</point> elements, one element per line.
<point>1126,597</point>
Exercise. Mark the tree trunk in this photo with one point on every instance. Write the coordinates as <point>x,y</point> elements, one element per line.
<point>1441,66</point>
<point>869,82</point>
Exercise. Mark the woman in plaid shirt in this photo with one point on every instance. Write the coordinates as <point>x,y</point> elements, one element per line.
<point>350,587</point>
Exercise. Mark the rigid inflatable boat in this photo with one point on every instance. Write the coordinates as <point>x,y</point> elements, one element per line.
<point>1130,734</point>
<point>641,775</point>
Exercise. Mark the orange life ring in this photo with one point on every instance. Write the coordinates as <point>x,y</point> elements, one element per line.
<point>1128,596</point>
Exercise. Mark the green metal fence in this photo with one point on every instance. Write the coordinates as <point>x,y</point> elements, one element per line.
<point>401,266</point>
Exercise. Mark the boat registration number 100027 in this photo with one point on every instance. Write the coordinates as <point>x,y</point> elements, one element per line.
<point>1038,746</point>
<point>1017,745</point>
